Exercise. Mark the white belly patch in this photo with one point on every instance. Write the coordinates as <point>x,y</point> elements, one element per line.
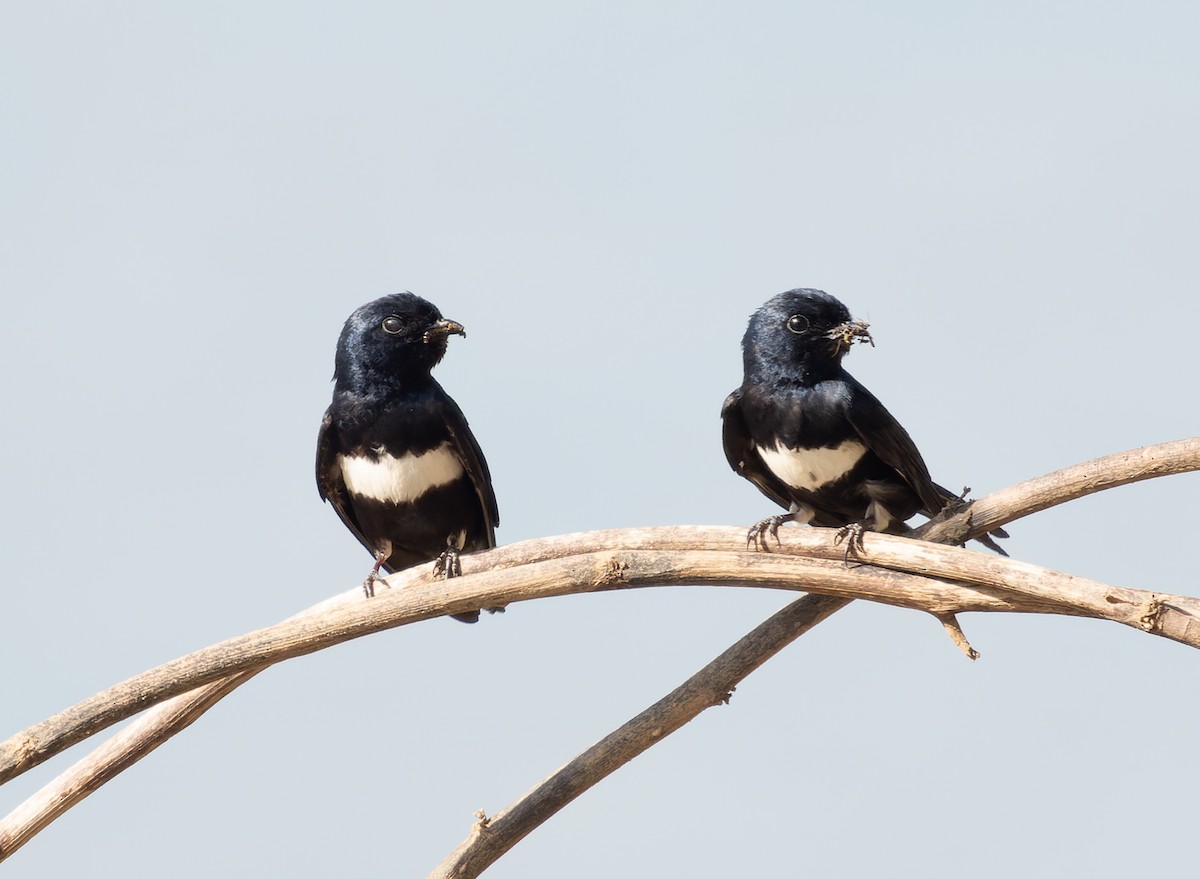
<point>811,468</point>
<point>399,480</point>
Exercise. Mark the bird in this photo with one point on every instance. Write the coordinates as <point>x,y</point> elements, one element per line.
<point>395,457</point>
<point>812,438</point>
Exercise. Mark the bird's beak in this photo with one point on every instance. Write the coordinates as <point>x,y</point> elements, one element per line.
<point>845,335</point>
<point>444,328</point>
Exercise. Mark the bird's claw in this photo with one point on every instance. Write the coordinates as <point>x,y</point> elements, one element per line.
<point>759,531</point>
<point>374,577</point>
<point>852,535</point>
<point>447,566</point>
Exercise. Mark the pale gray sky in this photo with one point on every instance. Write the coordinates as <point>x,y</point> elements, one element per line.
<point>194,199</point>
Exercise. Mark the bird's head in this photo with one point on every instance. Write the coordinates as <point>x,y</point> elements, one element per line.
<point>802,326</point>
<point>398,336</point>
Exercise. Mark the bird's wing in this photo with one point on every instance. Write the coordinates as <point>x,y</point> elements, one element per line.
<point>467,448</point>
<point>329,480</point>
<point>742,454</point>
<point>891,443</point>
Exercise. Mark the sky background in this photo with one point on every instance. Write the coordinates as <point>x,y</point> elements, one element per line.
<point>194,197</point>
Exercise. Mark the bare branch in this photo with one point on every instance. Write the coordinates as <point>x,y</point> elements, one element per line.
<point>681,556</point>
<point>710,686</point>
<point>605,560</point>
<point>110,759</point>
<point>490,840</point>
<point>1043,492</point>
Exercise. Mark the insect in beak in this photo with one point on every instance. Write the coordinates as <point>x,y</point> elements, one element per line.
<point>845,335</point>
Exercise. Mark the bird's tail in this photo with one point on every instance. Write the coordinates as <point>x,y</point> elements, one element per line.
<point>986,540</point>
<point>953,502</point>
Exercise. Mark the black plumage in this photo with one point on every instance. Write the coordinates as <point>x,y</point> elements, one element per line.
<point>395,457</point>
<point>813,439</point>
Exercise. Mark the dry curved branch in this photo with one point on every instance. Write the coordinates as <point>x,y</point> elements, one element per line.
<point>489,841</point>
<point>491,838</point>
<point>597,561</point>
<point>417,595</point>
<point>109,760</point>
<point>1042,492</point>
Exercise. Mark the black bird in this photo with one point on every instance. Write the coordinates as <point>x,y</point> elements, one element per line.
<point>395,456</point>
<point>812,438</point>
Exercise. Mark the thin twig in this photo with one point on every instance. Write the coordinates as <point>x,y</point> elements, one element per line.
<point>950,623</point>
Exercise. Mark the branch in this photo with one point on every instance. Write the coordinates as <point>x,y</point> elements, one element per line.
<point>491,837</point>
<point>577,564</point>
<point>594,562</point>
<point>1034,495</point>
<point>109,760</point>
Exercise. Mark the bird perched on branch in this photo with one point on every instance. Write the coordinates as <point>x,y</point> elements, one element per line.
<point>395,456</point>
<point>813,439</point>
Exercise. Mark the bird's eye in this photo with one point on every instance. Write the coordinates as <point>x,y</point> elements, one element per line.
<point>797,323</point>
<point>392,325</point>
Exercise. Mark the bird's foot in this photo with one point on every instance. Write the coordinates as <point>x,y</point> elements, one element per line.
<point>852,535</point>
<point>447,566</point>
<point>374,577</point>
<point>759,531</point>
